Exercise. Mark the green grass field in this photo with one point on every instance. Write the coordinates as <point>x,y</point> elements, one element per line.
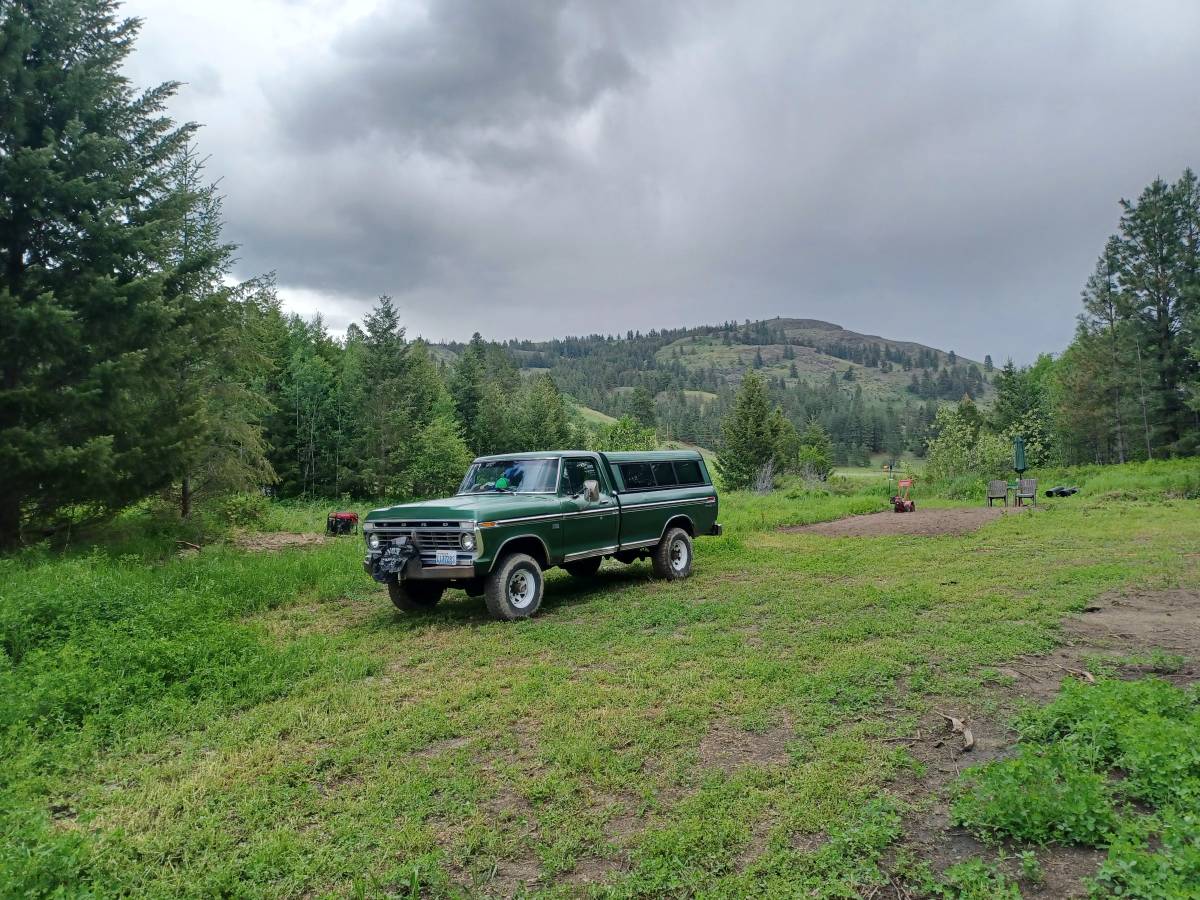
<point>229,723</point>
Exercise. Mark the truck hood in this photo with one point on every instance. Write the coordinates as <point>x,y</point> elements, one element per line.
<point>470,507</point>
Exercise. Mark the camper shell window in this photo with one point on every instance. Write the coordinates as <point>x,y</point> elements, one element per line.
<point>658,475</point>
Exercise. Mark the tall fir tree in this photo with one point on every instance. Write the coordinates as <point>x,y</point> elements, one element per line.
<point>217,353</point>
<point>750,441</point>
<point>467,387</point>
<point>87,419</point>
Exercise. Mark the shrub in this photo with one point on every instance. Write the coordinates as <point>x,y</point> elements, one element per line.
<point>1044,795</point>
<point>242,510</point>
<point>976,880</point>
<point>1136,868</point>
<point>1098,717</point>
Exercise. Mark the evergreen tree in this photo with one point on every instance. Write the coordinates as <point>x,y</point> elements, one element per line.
<point>1159,256</point>
<point>816,451</point>
<point>641,407</point>
<point>467,388</point>
<point>749,439</point>
<point>384,427</point>
<point>217,354</point>
<point>88,335</point>
<point>545,418</point>
<point>439,457</point>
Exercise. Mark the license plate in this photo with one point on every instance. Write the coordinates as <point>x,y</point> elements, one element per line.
<point>445,558</point>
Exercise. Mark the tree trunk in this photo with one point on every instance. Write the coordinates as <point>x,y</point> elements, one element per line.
<point>1141,382</point>
<point>185,498</point>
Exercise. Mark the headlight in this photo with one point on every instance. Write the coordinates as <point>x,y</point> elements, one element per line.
<point>373,541</point>
<point>467,541</point>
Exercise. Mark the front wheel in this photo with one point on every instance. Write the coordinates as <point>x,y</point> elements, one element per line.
<point>415,596</point>
<point>514,588</point>
<point>672,557</point>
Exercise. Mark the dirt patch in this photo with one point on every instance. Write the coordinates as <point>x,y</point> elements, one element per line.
<point>511,878</point>
<point>927,522</point>
<point>620,830</point>
<point>271,541</point>
<point>446,745</point>
<point>728,748</point>
<point>1115,627</point>
<point>593,871</point>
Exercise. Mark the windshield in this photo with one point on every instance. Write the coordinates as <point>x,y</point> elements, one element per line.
<point>519,476</point>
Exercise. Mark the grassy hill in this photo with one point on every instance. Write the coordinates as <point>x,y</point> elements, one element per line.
<point>816,348</point>
<point>815,359</point>
<point>869,392</point>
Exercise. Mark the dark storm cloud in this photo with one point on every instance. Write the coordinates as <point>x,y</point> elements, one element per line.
<point>487,81</point>
<point>945,172</point>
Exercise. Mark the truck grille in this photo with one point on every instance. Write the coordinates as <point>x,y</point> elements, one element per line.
<point>427,540</point>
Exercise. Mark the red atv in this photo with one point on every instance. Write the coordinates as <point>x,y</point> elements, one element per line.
<point>901,502</point>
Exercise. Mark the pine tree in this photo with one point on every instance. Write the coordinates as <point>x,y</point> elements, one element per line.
<point>816,451</point>
<point>467,388</point>
<point>545,416</point>
<point>217,356</point>
<point>438,457</point>
<point>384,427</point>
<point>86,412</point>
<point>1159,254</point>
<point>641,407</point>
<point>749,439</point>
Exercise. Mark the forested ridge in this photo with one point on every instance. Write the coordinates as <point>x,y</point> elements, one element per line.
<point>135,365</point>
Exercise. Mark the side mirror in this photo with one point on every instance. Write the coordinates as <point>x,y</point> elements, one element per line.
<point>591,490</point>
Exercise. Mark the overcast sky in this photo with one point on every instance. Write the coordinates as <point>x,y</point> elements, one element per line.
<point>940,171</point>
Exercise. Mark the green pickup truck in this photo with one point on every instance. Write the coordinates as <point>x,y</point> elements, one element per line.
<point>518,514</point>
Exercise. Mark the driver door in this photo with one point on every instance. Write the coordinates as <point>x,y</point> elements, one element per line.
<point>588,526</point>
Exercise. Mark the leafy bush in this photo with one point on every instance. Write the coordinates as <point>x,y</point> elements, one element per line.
<point>975,880</point>
<point>1058,788</point>
<point>1094,717</point>
<point>243,510</point>
<point>1044,795</point>
<point>1136,868</point>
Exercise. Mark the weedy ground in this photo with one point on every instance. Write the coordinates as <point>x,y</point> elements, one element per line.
<point>228,722</point>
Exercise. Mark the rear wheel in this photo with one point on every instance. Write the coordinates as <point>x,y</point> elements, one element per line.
<point>514,588</point>
<point>585,568</point>
<point>415,596</point>
<point>672,556</point>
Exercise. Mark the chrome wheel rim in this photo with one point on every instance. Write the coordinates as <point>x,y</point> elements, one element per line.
<point>679,554</point>
<point>520,588</point>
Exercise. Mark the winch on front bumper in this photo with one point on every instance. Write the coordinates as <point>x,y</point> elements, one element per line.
<point>445,551</point>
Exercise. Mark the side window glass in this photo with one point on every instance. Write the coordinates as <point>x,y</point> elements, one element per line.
<point>664,474</point>
<point>576,472</point>
<point>688,471</point>
<point>637,476</point>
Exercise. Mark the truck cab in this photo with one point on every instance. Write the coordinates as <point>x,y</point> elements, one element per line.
<point>516,515</point>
